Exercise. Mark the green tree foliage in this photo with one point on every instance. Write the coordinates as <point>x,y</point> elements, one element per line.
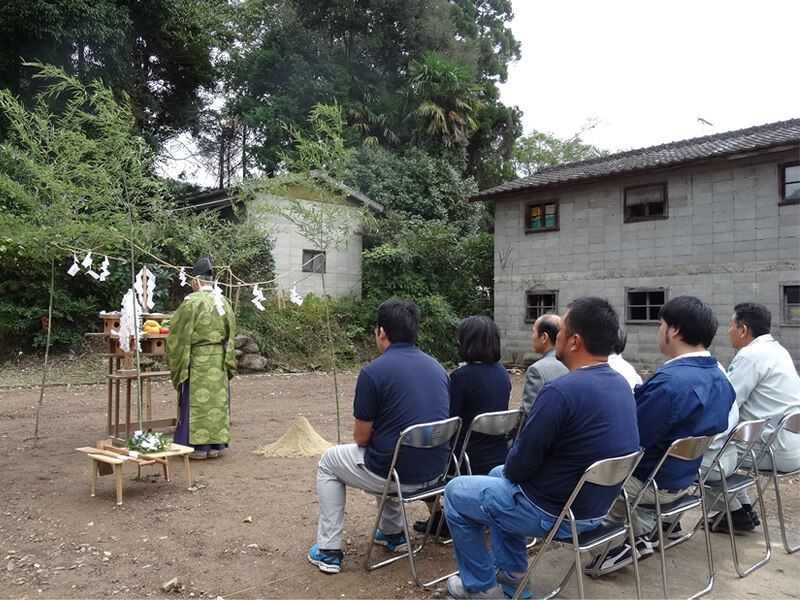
<point>449,276</point>
<point>443,99</point>
<point>320,162</point>
<point>489,152</point>
<point>81,176</point>
<point>158,52</point>
<point>405,73</point>
<point>288,334</point>
<point>538,150</point>
<point>485,22</point>
<point>413,182</point>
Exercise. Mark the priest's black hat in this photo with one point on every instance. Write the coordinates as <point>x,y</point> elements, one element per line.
<point>202,268</point>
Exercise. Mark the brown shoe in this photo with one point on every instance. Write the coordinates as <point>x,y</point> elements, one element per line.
<point>199,455</point>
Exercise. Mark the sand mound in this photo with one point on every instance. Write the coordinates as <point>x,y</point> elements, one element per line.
<point>300,441</point>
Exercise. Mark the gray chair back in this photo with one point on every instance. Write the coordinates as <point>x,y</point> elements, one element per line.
<point>499,423</point>
<point>429,435</point>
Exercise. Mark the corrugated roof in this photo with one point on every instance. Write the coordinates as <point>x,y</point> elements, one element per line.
<point>665,155</point>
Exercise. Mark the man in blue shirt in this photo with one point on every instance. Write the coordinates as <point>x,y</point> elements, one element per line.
<point>579,418</point>
<point>402,387</point>
<point>689,395</point>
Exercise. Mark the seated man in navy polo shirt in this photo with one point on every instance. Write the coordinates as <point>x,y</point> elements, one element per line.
<point>689,395</point>
<point>579,418</point>
<point>402,387</point>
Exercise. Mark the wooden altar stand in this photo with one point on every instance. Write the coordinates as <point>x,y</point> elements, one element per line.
<point>121,423</point>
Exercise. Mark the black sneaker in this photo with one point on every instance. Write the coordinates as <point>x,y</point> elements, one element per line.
<point>422,526</point>
<point>619,557</point>
<point>748,508</point>
<point>676,533</point>
<point>742,523</point>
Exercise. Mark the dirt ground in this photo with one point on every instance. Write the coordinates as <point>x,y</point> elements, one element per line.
<point>241,531</point>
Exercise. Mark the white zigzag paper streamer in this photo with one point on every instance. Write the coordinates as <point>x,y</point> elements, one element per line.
<point>295,297</point>
<point>182,277</point>
<point>104,269</point>
<point>73,270</point>
<point>218,299</point>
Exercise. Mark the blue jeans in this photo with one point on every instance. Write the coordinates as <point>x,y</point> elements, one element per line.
<point>471,503</point>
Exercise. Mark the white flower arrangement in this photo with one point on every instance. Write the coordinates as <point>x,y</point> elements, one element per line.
<point>146,441</point>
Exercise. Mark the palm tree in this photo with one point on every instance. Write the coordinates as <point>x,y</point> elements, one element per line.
<point>444,98</point>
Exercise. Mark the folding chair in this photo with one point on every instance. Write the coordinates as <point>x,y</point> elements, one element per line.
<point>790,422</point>
<point>504,423</point>
<point>687,449</point>
<point>608,472</point>
<point>747,434</point>
<point>426,436</point>
<point>508,423</point>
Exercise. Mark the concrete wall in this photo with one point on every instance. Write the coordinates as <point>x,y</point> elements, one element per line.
<point>726,240</point>
<point>343,267</point>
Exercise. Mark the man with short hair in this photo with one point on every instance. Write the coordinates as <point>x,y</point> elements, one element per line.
<point>402,387</point>
<point>689,395</point>
<point>767,387</point>
<point>582,417</point>
<point>543,338</point>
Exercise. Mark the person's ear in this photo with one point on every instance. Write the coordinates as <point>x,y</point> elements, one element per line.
<point>575,342</point>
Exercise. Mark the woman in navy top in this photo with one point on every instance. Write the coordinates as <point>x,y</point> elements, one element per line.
<point>481,384</point>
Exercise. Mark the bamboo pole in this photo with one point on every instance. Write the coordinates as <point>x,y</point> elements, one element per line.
<point>46,352</point>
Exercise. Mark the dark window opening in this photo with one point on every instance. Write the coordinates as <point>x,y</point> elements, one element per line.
<point>646,202</point>
<point>791,304</point>
<point>538,304</point>
<point>644,305</point>
<point>313,261</point>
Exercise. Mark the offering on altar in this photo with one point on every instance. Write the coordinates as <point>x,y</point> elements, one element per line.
<point>148,441</point>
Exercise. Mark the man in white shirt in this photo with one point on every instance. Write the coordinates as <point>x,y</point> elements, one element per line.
<point>767,387</point>
<point>620,365</point>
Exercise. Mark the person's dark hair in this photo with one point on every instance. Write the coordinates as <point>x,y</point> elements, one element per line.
<point>756,316</point>
<point>596,321</point>
<point>548,324</point>
<point>693,318</point>
<point>399,319</point>
<point>478,339</point>
<point>622,341</point>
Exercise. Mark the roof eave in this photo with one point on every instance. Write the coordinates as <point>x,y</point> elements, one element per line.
<point>590,179</point>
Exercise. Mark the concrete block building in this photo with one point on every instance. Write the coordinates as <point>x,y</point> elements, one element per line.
<point>717,217</point>
<point>300,265</point>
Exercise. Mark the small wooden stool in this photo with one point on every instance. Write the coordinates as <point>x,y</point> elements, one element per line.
<point>172,450</point>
